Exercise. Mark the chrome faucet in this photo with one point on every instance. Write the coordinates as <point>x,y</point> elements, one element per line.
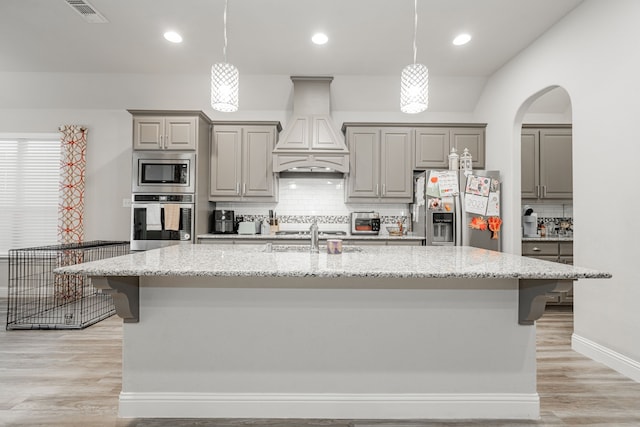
<point>314,237</point>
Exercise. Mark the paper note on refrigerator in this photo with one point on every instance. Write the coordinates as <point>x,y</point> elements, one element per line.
<point>419,191</point>
<point>478,185</point>
<point>448,181</point>
<point>493,205</point>
<point>476,204</point>
<point>442,183</point>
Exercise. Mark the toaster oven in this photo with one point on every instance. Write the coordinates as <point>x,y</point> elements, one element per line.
<point>365,223</point>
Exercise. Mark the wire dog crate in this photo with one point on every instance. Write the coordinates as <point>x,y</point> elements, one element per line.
<point>40,299</point>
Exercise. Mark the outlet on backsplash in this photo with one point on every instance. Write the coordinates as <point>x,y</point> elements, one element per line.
<point>301,200</point>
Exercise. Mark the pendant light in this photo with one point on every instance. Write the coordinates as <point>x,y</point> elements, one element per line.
<point>224,79</point>
<point>414,81</point>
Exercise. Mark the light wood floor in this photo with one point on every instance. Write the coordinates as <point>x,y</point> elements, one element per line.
<point>72,378</point>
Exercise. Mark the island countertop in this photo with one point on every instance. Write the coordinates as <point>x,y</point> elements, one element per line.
<point>365,261</point>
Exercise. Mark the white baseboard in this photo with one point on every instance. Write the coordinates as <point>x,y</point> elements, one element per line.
<point>330,405</point>
<point>616,361</point>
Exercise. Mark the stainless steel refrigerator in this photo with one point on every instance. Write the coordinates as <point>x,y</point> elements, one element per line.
<point>451,208</point>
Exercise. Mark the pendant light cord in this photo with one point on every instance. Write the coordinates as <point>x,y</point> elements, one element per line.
<point>415,30</point>
<point>224,21</point>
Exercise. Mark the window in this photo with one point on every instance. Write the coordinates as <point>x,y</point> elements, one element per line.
<point>29,180</point>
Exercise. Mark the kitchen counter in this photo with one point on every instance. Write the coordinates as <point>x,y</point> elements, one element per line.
<point>548,239</point>
<point>258,237</point>
<point>383,332</point>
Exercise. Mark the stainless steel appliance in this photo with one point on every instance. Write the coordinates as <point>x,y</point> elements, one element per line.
<point>529,222</point>
<point>223,222</point>
<point>436,209</point>
<point>480,214</point>
<point>159,220</point>
<point>155,172</point>
<point>451,208</point>
<point>365,223</point>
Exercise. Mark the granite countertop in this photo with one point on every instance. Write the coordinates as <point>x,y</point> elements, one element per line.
<point>307,237</point>
<point>366,261</point>
<point>548,239</point>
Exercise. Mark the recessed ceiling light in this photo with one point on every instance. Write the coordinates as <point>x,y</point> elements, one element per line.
<point>462,39</point>
<point>319,38</point>
<point>173,37</point>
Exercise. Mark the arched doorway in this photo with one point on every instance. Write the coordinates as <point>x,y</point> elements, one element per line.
<point>547,179</point>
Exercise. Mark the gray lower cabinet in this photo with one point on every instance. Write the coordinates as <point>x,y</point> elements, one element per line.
<point>555,251</point>
<point>546,167</point>
<point>433,145</point>
<point>380,165</point>
<point>241,167</point>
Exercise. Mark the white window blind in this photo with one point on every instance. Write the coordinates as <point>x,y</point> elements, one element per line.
<point>29,180</point>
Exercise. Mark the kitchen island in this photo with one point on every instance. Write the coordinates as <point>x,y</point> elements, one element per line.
<point>385,332</point>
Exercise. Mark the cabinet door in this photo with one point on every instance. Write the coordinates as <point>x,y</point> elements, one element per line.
<point>225,167</point>
<point>529,165</point>
<point>473,139</point>
<point>258,179</point>
<point>556,171</point>
<point>148,133</point>
<point>432,147</point>
<point>396,176</point>
<point>180,133</point>
<point>364,163</point>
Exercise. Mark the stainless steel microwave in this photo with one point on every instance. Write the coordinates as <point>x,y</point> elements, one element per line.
<point>155,172</point>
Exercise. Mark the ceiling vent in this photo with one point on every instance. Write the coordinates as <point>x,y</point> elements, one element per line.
<point>87,11</point>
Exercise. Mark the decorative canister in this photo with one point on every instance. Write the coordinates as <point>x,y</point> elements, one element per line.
<point>334,246</point>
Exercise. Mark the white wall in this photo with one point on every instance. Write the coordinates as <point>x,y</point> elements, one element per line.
<point>592,54</point>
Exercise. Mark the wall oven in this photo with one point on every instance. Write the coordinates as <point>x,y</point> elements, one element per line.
<point>155,172</point>
<point>159,220</point>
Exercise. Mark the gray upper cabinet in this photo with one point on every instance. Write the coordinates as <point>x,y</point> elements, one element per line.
<point>530,164</point>
<point>380,165</point>
<point>241,166</point>
<point>546,167</point>
<point>433,145</point>
<point>473,139</point>
<point>164,133</point>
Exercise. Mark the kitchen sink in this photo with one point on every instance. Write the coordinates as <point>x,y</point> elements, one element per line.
<point>269,247</point>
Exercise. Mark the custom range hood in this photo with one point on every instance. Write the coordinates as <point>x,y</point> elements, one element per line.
<point>311,142</point>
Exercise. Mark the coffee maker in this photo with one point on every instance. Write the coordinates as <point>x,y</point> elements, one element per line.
<point>222,221</point>
<point>529,222</point>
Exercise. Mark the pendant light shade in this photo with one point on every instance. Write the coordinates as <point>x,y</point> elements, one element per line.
<point>414,81</point>
<point>225,82</point>
<point>414,89</point>
<point>225,79</point>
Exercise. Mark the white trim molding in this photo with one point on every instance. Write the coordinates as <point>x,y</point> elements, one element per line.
<point>330,405</point>
<point>616,361</point>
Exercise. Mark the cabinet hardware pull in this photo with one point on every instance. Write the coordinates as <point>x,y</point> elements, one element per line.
<point>237,188</point>
<point>544,191</point>
<point>384,189</point>
<point>536,249</point>
<point>537,191</point>
<point>244,188</point>
<point>377,189</point>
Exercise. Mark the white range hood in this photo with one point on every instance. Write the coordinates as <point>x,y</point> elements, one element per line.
<point>310,141</point>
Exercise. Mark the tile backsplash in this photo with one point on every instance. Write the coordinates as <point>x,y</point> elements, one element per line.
<point>554,214</point>
<point>548,210</point>
<point>301,200</point>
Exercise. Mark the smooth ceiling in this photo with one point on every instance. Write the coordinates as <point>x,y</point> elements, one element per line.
<point>367,37</point>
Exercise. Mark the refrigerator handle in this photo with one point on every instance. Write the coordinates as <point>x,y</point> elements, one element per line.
<point>458,219</point>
